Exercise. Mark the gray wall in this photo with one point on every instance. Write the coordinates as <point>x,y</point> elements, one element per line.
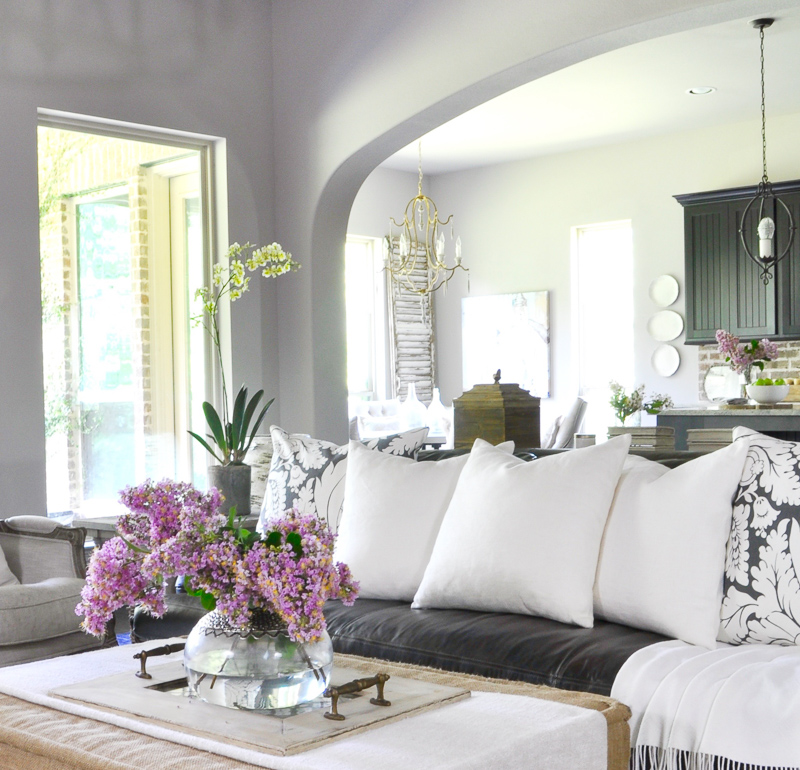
<point>195,65</point>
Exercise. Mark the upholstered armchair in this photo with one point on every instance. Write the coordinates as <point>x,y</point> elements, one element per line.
<point>42,571</point>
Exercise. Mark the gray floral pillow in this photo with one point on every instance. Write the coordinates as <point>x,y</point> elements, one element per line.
<point>259,458</point>
<point>308,473</point>
<point>761,599</point>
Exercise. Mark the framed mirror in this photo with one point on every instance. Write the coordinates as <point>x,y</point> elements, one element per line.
<point>721,383</point>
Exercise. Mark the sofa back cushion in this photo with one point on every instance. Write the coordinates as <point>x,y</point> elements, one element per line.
<point>309,474</point>
<point>761,601</point>
<point>393,508</point>
<point>663,550</point>
<point>524,537</point>
<point>7,577</point>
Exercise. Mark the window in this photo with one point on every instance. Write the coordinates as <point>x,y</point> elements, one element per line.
<point>365,292</point>
<point>602,301</point>
<point>122,253</point>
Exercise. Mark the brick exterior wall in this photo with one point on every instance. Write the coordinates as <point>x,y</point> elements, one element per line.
<point>140,277</point>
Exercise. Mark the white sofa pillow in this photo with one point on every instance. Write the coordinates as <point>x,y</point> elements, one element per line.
<point>524,536</point>
<point>663,551</point>
<point>309,474</point>
<point>393,507</point>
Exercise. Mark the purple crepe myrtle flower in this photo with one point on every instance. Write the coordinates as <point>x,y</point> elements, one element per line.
<point>742,356</point>
<point>173,529</point>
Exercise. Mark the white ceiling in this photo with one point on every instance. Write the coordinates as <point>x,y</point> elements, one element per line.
<point>627,94</point>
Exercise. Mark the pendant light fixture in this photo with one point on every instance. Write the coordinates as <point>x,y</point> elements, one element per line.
<point>765,203</point>
<point>421,264</point>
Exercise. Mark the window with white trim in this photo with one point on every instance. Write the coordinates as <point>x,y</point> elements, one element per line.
<point>365,292</point>
<point>122,251</point>
<point>602,301</point>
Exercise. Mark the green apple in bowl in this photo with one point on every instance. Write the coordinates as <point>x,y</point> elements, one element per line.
<point>765,391</point>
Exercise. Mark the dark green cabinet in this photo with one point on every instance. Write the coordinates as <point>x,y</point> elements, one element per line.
<point>789,272</point>
<point>724,289</point>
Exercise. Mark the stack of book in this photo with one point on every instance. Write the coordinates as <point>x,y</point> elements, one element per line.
<point>658,439</point>
<point>708,439</point>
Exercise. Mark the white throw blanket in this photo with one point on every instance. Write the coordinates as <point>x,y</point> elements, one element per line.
<point>690,705</point>
<point>487,730</point>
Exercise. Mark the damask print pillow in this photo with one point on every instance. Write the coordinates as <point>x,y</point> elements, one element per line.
<point>761,599</point>
<point>259,458</point>
<point>308,473</point>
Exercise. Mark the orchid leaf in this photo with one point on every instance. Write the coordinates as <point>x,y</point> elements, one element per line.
<point>249,411</point>
<point>237,422</point>
<point>215,425</point>
<point>206,445</point>
<point>257,425</point>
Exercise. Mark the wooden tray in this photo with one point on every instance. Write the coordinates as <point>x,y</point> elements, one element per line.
<point>162,701</point>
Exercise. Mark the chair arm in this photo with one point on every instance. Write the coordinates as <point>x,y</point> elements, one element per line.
<point>37,548</point>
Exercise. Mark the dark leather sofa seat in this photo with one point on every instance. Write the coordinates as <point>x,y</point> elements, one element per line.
<point>498,645</point>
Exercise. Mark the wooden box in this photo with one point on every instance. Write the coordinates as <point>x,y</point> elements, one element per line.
<point>496,413</point>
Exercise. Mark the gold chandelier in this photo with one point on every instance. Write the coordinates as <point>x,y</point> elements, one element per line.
<point>419,262</point>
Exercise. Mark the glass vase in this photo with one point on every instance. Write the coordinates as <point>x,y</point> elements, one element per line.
<point>257,668</point>
<point>745,380</point>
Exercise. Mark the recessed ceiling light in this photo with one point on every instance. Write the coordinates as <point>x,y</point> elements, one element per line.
<point>701,90</point>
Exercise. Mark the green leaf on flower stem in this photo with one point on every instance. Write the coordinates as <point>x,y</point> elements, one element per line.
<point>207,600</point>
<point>245,537</point>
<point>273,539</point>
<point>294,540</point>
<point>133,547</point>
<point>284,644</point>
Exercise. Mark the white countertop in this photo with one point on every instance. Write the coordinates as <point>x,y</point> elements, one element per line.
<point>749,409</point>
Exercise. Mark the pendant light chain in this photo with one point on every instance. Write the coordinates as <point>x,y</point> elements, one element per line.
<point>764,178</point>
<point>419,184</point>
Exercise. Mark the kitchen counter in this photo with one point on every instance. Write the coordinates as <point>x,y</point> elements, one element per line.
<point>781,422</point>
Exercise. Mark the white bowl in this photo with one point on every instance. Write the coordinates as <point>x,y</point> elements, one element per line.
<point>767,394</point>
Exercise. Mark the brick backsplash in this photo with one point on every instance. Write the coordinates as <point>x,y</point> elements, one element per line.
<point>786,365</point>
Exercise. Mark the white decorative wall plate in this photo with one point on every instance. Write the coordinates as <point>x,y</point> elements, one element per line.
<point>665,325</point>
<point>664,290</point>
<point>665,360</point>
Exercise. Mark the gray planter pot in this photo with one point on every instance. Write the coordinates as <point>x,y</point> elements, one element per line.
<point>233,481</point>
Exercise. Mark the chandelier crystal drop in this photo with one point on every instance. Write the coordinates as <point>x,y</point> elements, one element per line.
<point>419,263</point>
<point>766,204</point>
